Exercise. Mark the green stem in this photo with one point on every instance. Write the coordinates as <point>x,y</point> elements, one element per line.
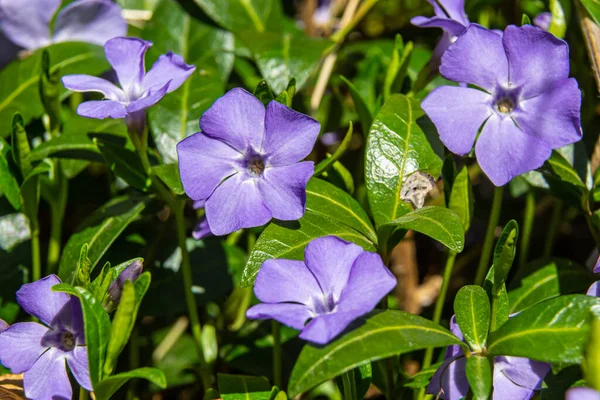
<point>349,386</point>
<point>490,237</point>
<point>553,228</point>
<point>57,215</point>
<point>36,261</point>
<point>134,360</point>
<point>360,13</point>
<point>277,354</point>
<point>83,394</point>
<point>528,218</point>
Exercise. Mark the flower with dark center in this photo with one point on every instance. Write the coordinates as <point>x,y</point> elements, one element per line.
<point>40,351</point>
<point>246,167</point>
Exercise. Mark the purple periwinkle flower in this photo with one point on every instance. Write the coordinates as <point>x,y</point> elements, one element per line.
<point>524,99</point>
<point>41,350</point>
<point>450,15</point>
<point>582,393</point>
<point>335,284</point>
<point>543,20</point>
<point>201,229</point>
<point>514,377</point>
<point>131,273</point>
<point>139,89</point>
<point>245,164</point>
<point>26,23</point>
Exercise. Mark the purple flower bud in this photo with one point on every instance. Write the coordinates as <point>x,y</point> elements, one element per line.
<point>131,273</point>
<point>543,20</point>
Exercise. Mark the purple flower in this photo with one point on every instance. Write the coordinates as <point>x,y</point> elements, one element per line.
<point>201,230</point>
<point>582,393</point>
<point>131,273</point>
<point>245,164</point>
<point>139,89</point>
<point>450,15</point>
<point>41,350</point>
<point>527,104</point>
<point>26,23</point>
<point>543,20</point>
<point>336,283</point>
<point>514,377</point>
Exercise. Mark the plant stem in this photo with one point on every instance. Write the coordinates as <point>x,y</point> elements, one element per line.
<point>277,354</point>
<point>493,312</point>
<point>36,261</point>
<point>527,227</point>
<point>490,237</point>
<point>83,394</point>
<point>439,304</point>
<point>57,214</point>
<point>360,14</point>
<point>553,228</point>
<point>348,385</point>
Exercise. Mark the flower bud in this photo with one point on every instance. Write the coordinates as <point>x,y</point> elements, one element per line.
<point>131,273</point>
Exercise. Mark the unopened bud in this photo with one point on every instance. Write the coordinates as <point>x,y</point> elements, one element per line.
<point>131,273</point>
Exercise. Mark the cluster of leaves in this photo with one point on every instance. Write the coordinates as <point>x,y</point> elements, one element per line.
<point>95,187</point>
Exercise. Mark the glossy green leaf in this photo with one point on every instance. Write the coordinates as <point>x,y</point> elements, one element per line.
<point>99,231</point>
<point>283,56</point>
<point>593,7</point>
<point>479,375</point>
<point>438,223</point>
<point>263,93</point>
<point>19,81</point>
<point>396,147</point>
<point>461,198</point>
<point>560,167</point>
<point>591,363</point>
<point>169,174</point>
<point>554,331</point>
<point>548,278</point>
<point>329,161</point>
<point>240,387</point>
<point>502,306</point>
<point>329,211</point>
<point>364,113</point>
<point>97,328</point>
<point>504,254</point>
<point>8,182</point>
<point>240,15</point>
<point>125,163</point>
<point>109,386</point>
<point>380,335</point>
<point>472,310</point>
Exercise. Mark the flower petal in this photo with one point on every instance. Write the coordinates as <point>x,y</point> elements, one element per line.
<point>204,163</point>
<point>282,280</point>
<point>326,327</point>
<point>92,21</point>
<point>582,393</point>
<point>148,100</point>
<point>24,339</point>
<point>47,378</point>
<point>290,314</point>
<point>101,109</point>
<point>504,388</point>
<point>594,289</point>
<point>450,380</point>
<point>477,57</point>
<point>201,229</point>
<point>447,24</point>
<point>284,189</point>
<point>504,151</point>
<point>370,281</point>
<point>87,83</point>
<point>126,55</point>
<point>70,318</point>
<point>536,59</point>
<point>235,204</point>
<point>78,363</point>
<point>8,50</point>
<point>553,116</point>
<point>457,113</point>
<point>38,299</point>
<point>331,259</point>
<point>237,118</point>
<point>523,371</point>
<point>169,68</point>
<point>455,10</point>
<point>27,22</point>
<point>289,135</point>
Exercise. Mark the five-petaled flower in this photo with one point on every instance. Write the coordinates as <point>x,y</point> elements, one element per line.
<point>26,24</point>
<point>514,377</point>
<point>524,99</point>
<point>450,15</point>
<point>336,283</point>
<point>139,89</point>
<point>41,350</point>
<point>245,164</point>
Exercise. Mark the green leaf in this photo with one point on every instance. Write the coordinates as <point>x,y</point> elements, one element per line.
<point>502,307</point>
<point>438,223</point>
<point>263,93</point>
<point>558,26</point>
<point>21,150</point>
<point>398,67</point>
<point>548,279</point>
<point>525,20</point>
<point>99,231</point>
<point>125,163</point>
<point>396,147</point>
<point>8,182</point>
<point>14,230</point>
<point>283,56</point>
<point>169,174</point>
<point>19,81</point>
<point>472,310</point>
<point>240,387</point>
<point>82,276</point>
<point>591,363</point>
<point>97,328</point>
<point>327,163</point>
<point>364,113</point>
<point>553,331</point>
<point>105,389</point>
<point>240,15</point>
<point>379,335</point>
<point>558,166</point>
<point>593,7</point>
<point>329,211</point>
<point>461,198</point>
<point>504,254</point>
<point>479,375</point>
